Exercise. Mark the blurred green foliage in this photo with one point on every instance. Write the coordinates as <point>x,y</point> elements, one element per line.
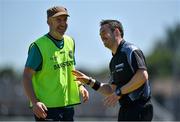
<point>164,61</point>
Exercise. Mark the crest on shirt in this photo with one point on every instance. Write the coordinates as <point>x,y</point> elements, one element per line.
<point>71,54</point>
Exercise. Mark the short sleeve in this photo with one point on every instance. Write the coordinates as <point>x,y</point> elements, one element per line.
<point>138,60</point>
<point>34,59</point>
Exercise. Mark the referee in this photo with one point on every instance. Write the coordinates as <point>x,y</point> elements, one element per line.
<point>129,78</point>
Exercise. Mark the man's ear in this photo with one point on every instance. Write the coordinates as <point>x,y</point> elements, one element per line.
<point>49,21</point>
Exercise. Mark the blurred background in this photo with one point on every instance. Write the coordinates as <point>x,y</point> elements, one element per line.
<point>152,25</point>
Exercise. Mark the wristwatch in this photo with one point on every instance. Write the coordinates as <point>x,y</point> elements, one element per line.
<point>118,91</point>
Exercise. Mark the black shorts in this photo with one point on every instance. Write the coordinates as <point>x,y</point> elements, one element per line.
<point>58,114</point>
<point>136,112</point>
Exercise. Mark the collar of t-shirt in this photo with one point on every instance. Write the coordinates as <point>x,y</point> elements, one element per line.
<point>119,47</point>
<point>58,43</point>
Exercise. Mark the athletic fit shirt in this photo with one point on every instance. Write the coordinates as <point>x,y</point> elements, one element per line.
<point>123,66</point>
<point>34,59</point>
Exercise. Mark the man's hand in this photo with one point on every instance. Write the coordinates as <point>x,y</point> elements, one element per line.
<point>84,93</point>
<point>80,76</point>
<point>111,100</point>
<point>39,109</point>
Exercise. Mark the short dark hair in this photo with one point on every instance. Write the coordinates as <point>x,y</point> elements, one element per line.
<point>113,25</point>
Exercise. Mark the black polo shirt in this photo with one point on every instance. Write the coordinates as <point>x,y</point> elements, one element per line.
<point>124,64</point>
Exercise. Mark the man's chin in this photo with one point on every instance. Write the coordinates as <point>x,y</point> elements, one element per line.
<point>107,46</point>
<point>61,33</point>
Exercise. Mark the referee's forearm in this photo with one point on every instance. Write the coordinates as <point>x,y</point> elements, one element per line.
<point>137,81</point>
<point>104,88</point>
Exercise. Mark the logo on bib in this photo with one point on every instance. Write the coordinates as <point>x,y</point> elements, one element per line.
<point>71,54</point>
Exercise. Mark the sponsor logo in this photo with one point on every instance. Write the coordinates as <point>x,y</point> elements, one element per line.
<point>63,65</point>
<point>119,67</point>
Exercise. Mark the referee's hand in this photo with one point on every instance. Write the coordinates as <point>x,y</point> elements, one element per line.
<point>111,100</point>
